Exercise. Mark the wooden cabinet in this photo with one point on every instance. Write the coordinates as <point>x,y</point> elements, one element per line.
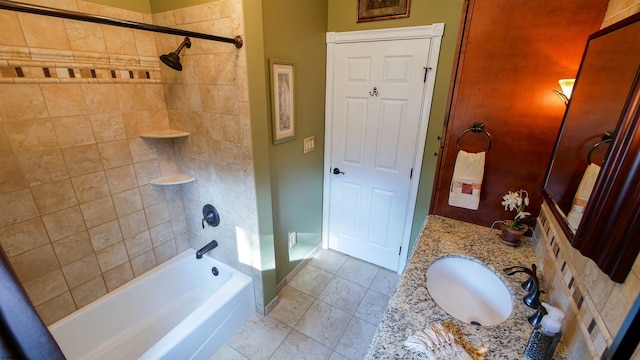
<point>511,55</point>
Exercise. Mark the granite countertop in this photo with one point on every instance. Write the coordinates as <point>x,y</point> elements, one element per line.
<point>411,308</point>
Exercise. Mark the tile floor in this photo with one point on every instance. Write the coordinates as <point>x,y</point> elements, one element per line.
<point>329,310</point>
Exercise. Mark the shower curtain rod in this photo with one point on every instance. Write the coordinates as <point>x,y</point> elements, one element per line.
<point>74,15</point>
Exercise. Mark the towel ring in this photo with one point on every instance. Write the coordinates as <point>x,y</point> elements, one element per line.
<point>607,137</point>
<point>477,128</point>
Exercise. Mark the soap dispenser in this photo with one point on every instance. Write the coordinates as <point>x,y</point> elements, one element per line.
<point>545,337</point>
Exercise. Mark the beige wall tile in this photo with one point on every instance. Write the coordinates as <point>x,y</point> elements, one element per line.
<point>54,196</point>
<point>22,101</point>
<point>155,97</point>
<point>152,194</point>
<point>56,308</point>
<point>145,43</point>
<point>139,244</point>
<point>85,36</point>
<point>118,276</point>
<point>44,167</point>
<point>119,40</point>
<point>121,179</point>
<point>157,214</point>
<point>91,186</point>
<point>228,100</point>
<point>142,149</point>
<point>162,233</point>
<point>131,97</point>
<point>112,256</point>
<point>11,27</point>
<point>6,149</point>
<point>133,224</point>
<point>74,131</point>
<point>98,212</point>
<point>17,206</point>
<point>230,128</point>
<point>46,287</point>
<point>209,98</point>
<point>108,127</point>
<point>44,32</point>
<point>11,176</point>
<point>32,136</point>
<point>147,171</point>
<point>73,248</point>
<point>34,263</point>
<point>81,271</point>
<point>64,99</point>
<point>64,223</point>
<point>226,65</point>
<point>89,291</point>
<point>166,251</point>
<point>82,160</point>
<point>138,122</point>
<point>115,154</point>
<point>22,237</point>
<point>105,235</point>
<point>127,202</point>
<point>144,263</point>
<point>100,98</point>
<point>619,303</point>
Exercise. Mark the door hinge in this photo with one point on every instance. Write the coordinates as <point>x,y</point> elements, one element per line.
<point>400,251</point>
<point>411,174</point>
<point>426,70</point>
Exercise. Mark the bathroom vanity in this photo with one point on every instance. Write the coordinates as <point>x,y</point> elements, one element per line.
<point>412,308</point>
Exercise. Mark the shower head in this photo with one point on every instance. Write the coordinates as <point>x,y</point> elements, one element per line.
<point>172,60</point>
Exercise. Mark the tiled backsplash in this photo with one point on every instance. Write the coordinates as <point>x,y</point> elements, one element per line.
<point>594,305</point>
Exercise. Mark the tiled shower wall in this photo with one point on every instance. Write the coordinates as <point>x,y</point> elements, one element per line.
<point>210,100</point>
<point>78,216</point>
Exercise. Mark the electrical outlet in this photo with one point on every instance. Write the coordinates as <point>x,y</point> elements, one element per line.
<point>293,239</point>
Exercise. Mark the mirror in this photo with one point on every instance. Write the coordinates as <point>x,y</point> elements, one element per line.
<point>601,107</point>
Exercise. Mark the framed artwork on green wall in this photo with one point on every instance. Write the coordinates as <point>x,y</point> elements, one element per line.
<point>372,10</point>
<point>282,100</point>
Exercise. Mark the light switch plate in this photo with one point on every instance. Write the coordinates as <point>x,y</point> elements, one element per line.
<point>309,144</point>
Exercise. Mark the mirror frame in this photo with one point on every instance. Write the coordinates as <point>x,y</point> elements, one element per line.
<point>610,226</point>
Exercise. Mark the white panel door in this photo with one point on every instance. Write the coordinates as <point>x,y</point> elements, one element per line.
<point>378,91</point>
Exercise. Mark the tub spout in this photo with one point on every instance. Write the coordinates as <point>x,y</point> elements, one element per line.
<point>205,249</point>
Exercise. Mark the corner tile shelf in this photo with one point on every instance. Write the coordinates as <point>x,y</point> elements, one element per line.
<point>174,179</point>
<point>164,134</point>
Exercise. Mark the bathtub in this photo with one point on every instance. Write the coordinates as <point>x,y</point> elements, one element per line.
<point>178,310</point>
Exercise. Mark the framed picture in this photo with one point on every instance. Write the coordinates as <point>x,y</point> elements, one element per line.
<point>372,10</point>
<point>282,100</point>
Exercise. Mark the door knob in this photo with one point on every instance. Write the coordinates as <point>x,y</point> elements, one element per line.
<point>337,171</point>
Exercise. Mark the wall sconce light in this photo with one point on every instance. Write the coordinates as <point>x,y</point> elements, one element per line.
<point>567,87</point>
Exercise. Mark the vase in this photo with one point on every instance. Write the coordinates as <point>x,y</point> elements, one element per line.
<point>510,236</point>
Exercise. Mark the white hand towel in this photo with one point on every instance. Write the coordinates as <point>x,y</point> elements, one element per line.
<point>582,195</point>
<point>466,183</point>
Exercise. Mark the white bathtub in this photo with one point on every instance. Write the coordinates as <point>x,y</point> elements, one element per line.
<point>178,310</point>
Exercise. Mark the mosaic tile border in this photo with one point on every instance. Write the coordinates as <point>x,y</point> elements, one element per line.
<point>596,334</point>
<point>22,65</point>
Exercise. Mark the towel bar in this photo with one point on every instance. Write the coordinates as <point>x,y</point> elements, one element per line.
<point>607,137</point>
<point>477,128</point>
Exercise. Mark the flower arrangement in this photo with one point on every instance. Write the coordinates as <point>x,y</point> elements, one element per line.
<point>516,201</point>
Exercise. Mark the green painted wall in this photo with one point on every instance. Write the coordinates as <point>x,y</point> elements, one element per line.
<point>259,95</point>
<point>342,17</point>
<point>295,31</point>
<point>158,6</point>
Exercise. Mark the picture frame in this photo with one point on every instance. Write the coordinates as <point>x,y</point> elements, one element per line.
<point>374,10</point>
<point>282,100</point>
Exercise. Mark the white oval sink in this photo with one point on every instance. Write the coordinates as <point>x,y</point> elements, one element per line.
<point>469,291</point>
